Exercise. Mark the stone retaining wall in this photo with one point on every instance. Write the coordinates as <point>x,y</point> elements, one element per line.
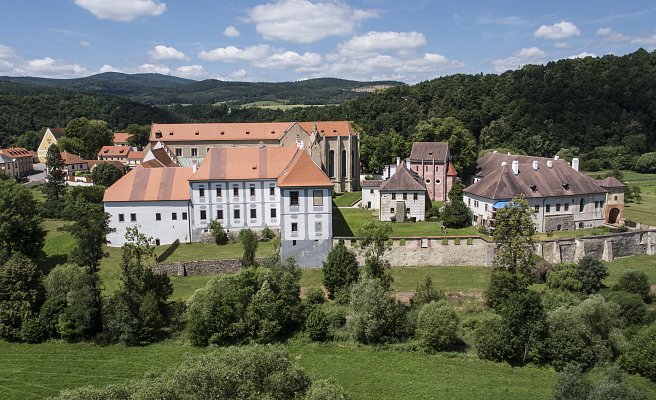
<point>201,267</point>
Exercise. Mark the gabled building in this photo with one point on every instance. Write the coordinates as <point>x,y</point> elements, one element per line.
<point>73,163</point>
<point>241,187</point>
<point>114,153</point>
<point>561,197</point>
<point>121,138</point>
<point>50,137</point>
<point>432,162</point>
<point>332,145</point>
<point>9,166</point>
<point>403,197</point>
<point>22,157</point>
<point>614,213</point>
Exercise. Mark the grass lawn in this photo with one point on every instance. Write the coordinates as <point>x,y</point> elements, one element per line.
<point>644,263</point>
<point>347,221</point>
<point>39,371</point>
<point>347,199</point>
<point>644,212</point>
<point>572,234</point>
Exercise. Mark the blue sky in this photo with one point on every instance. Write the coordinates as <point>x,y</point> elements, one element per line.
<point>284,40</point>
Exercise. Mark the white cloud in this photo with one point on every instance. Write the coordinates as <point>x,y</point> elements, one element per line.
<point>303,21</point>
<point>646,40</point>
<point>123,10</point>
<point>289,59</point>
<point>108,68</point>
<point>562,45</point>
<point>231,31</point>
<point>152,69</point>
<point>610,36</point>
<point>582,55</point>
<point>234,54</point>
<point>238,75</point>
<point>161,52</point>
<point>375,42</point>
<point>530,55</point>
<point>559,30</point>
<point>85,43</point>
<point>6,52</point>
<point>49,67</point>
<point>195,71</point>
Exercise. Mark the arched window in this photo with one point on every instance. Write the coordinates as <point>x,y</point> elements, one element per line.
<point>354,165</point>
<point>343,162</point>
<point>331,163</point>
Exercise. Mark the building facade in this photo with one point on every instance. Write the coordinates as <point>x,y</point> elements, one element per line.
<point>614,213</point>
<point>371,194</point>
<point>22,157</point>
<point>332,145</point>
<point>403,197</point>
<point>50,137</point>
<point>432,162</point>
<point>9,166</point>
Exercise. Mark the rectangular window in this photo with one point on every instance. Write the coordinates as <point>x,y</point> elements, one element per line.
<point>371,191</point>
<point>548,208</point>
<point>174,216</point>
<point>235,191</point>
<point>294,227</point>
<point>236,214</point>
<point>203,215</point>
<point>253,213</point>
<point>317,198</point>
<point>566,206</point>
<point>486,206</point>
<point>272,191</point>
<point>194,152</point>
<point>133,217</point>
<point>121,218</point>
<point>201,192</point>
<point>184,216</point>
<point>557,207</point>
<point>293,198</point>
<point>274,213</point>
<point>537,209</point>
<point>219,214</point>
<point>414,196</point>
<point>158,217</point>
<point>405,196</point>
<point>317,228</point>
<point>393,196</point>
<point>252,191</point>
<point>468,202</point>
<point>596,204</point>
<point>219,192</point>
<point>392,210</point>
<point>178,152</point>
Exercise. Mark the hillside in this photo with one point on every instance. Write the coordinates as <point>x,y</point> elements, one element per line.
<point>163,89</point>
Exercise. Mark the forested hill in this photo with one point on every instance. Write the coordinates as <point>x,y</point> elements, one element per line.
<point>163,89</point>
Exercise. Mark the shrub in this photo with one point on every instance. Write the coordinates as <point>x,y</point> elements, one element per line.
<point>425,293</point>
<point>502,284</point>
<point>437,326</point>
<point>340,269</point>
<point>492,339</point>
<point>343,296</point>
<point>614,386</point>
<point>337,317</point>
<point>646,163</point>
<point>21,294</point>
<point>635,282</point>
<point>314,296</point>
<point>456,214</point>
<point>324,390</point>
<point>249,241</point>
<point>564,277</point>
<point>218,233</point>
<point>640,358</point>
<point>633,309</point>
<point>317,325</point>
<point>572,384</point>
<point>33,330</point>
<point>376,316</point>
<point>553,299</point>
<point>267,234</point>
<point>591,273</point>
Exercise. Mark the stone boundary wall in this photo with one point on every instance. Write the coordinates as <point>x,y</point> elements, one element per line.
<point>201,267</point>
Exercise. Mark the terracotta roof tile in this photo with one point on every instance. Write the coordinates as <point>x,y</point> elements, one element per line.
<point>610,182</point>
<point>219,131</point>
<point>16,152</point>
<point>403,179</point>
<point>158,158</point>
<point>93,163</point>
<point>121,137</point>
<point>151,184</point>
<point>114,151</point>
<point>70,158</point>
<point>136,155</point>
<point>329,128</point>
<point>237,163</point>
<point>452,170</point>
<point>303,172</point>
<point>438,151</point>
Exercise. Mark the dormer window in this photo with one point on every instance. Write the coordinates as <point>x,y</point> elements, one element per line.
<point>158,135</point>
<point>566,186</point>
<point>197,133</point>
<point>534,188</point>
<point>223,133</point>
<point>248,132</point>
<point>171,133</point>
<point>273,132</point>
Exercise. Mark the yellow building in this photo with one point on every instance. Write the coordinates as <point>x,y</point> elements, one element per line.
<point>51,137</point>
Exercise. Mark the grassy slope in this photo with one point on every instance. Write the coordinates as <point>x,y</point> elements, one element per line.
<point>347,199</point>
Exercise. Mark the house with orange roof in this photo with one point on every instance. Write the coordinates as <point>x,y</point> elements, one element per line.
<point>114,153</point>
<point>333,145</point>
<point>241,187</point>
<point>73,163</point>
<point>22,157</point>
<point>121,138</point>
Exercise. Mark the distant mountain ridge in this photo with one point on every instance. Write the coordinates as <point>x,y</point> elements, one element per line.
<point>163,89</point>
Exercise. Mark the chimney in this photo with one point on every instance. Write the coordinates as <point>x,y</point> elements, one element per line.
<point>494,152</point>
<point>503,163</point>
<point>398,160</point>
<point>194,165</point>
<point>300,144</point>
<point>556,158</point>
<point>575,164</point>
<point>509,154</point>
<point>535,165</point>
<point>549,163</point>
<point>515,167</point>
<point>407,164</point>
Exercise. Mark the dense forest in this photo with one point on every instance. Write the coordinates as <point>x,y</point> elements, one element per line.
<point>601,109</point>
<point>162,89</point>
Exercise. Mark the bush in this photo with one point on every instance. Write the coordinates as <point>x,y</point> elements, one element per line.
<point>564,277</point>
<point>635,282</point>
<point>218,233</point>
<point>324,390</point>
<point>340,270</point>
<point>437,326</point>
<point>591,273</point>
<point>492,339</point>
<point>249,241</point>
<point>502,284</point>
<point>553,299</point>
<point>646,163</point>
<point>33,330</point>
<point>633,309</point>
<point>614,386</point>
<point>267,234</point>
<point>314,296</point>
<point>640,358</point>
<point>343,296</point>
<point>337,318</point>
<point>572,384</point>
<point>317,325</point>
<point>376,316</point>
<point>425,293</point>
<point>456,214</point>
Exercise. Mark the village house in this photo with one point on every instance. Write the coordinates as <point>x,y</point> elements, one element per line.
<point>50,137</point>
<point>114,153</point>
<point>22,157</point>
<point>332,145</point>
<point>561,197</point>
<point>9,166</point>
<point>120,138</point>
<point>241,187</point>
<point>614,212</point>
<point>73,163</point>
<point>371,193</point>
<point>403,197</point>
<point>135,158</point>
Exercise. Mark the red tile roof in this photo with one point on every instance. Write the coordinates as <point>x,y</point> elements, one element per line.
<point>219,131</point>
<point>240,163</point>
<point>121,137</point>
<point>116,163</point>
<point>16,152</point>
<point>114,151</point>
<point>151,184</point>
<point>70,158</point>
<point>303,172</point>
<point>136,155</point>
<point>329,128</point>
